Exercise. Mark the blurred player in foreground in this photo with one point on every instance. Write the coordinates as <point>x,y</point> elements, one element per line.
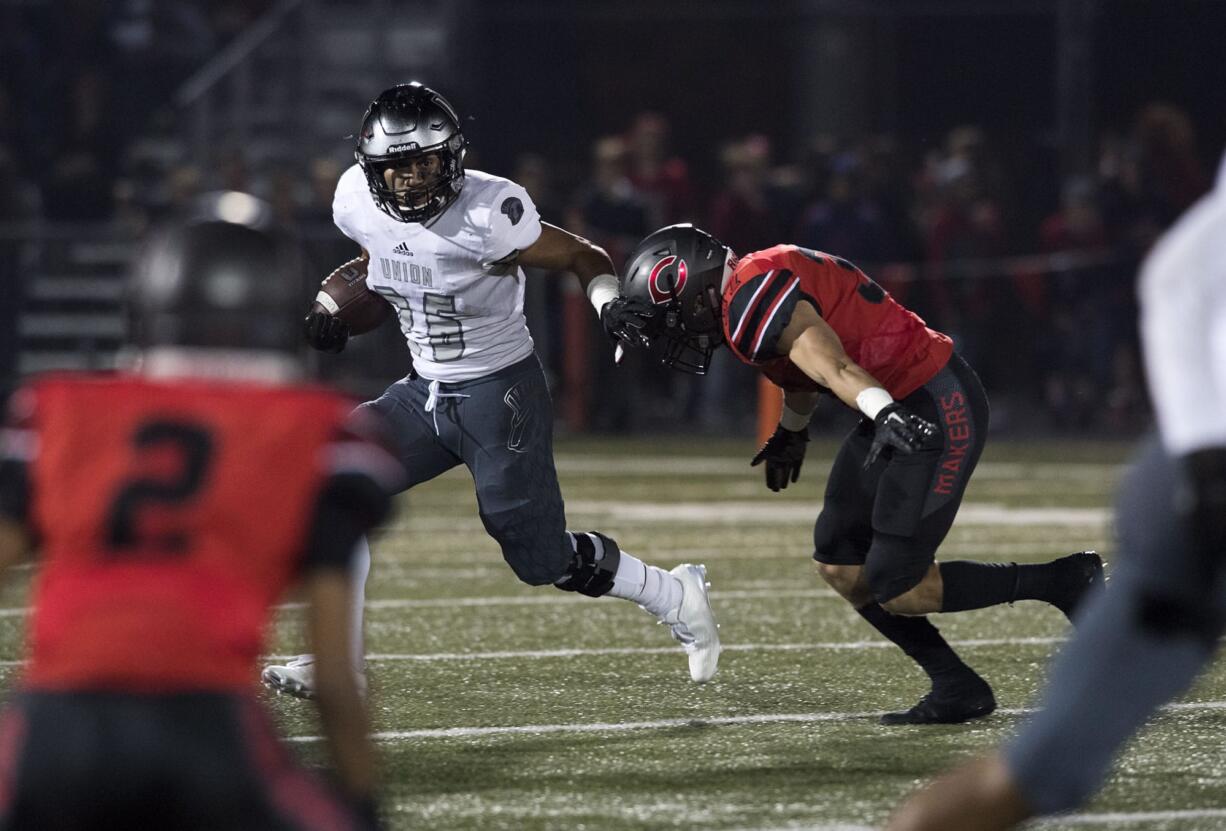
<point>1145,641</point>
<point>168,509</point>
<point>814,323</point>
<point>444,246</point>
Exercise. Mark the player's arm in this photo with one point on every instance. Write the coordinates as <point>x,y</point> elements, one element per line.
<point>784,451</point>
<point>815,348</point>
<point>560,250</point>
<point>342,711</point>
<point>355,498</point>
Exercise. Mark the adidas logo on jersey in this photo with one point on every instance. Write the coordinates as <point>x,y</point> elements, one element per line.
<point>402,248</point>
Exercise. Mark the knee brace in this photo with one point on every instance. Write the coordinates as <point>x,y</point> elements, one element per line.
<point>888,580</point>
<point>592,566</point>
<point>1166,616</point>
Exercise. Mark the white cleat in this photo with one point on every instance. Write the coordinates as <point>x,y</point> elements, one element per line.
<point>693,623</point>
<point>296,677</point>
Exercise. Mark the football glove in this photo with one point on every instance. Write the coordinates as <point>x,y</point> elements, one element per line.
<point>784,452</point>
<point>325,332</point>
<point>902,432</point>
<point>624,320</point>
<point>1200,502</point>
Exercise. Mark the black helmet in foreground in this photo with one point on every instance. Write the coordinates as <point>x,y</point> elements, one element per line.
<point>682,270</point>
<point>221,276</point>
<point>406,122</point>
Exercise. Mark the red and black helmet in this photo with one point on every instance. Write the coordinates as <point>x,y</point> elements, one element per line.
<point>682,269</point>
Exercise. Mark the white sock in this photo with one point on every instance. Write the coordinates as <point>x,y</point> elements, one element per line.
<point>651,587</point>
<point>359,569</point>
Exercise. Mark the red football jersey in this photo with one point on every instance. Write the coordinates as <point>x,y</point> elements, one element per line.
<point>170,516</point>
<point>889,341</point>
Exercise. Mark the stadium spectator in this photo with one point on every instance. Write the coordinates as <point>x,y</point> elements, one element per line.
<point>843,219</point>
<point>136,708</point>
<point>1143,642</point>
<point>663,180</point>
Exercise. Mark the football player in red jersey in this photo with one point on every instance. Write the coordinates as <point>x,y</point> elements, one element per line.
<point>168,509</point>
<point>814,323</point>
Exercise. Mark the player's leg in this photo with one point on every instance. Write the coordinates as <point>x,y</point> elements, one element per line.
<point>842,539</point>
<point>424,456</point>
<point>1137,646</point>
<point>918,498</point>
<point>506,424</point>
<point>226,768</point>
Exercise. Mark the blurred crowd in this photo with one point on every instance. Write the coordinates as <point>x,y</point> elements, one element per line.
<point>947,226</point>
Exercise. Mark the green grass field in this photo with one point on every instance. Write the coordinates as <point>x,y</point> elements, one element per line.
<point>501,706</point>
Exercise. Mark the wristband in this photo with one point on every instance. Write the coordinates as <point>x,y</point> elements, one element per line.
<point>873,400</point>
<point>601,290</point>
<point>789,419</point>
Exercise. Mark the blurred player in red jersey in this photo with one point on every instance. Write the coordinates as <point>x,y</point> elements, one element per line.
<point>168,509</point>
<point>814,323</point>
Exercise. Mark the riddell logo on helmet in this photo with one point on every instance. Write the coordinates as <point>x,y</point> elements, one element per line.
<point>397,148</point>
<point>664,293</point>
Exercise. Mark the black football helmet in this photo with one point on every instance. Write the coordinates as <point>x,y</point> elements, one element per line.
<point>222,276</point>
<point>682,269</point>
<point>407,121</point>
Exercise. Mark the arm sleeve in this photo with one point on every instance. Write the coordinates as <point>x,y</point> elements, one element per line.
<point>1183,329</point>
<point>514,224</point>
<point>363,473</point>
<point>759,312</point>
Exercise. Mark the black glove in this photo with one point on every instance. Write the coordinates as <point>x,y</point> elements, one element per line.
<point>1200,502</point>
<point>366,812</point>
<point>625,318</point>
<point>783,453</point>
<point>325,332</point>
<point>901,431</point>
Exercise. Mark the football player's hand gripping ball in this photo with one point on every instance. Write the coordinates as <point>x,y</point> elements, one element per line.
<point>784,452</point>
<point>901,431</point>
<point>325,332</point>
<point>625,318</point>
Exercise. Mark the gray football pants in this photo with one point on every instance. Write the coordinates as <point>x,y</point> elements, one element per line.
<point>1137,645</point>
<point>501,427</point>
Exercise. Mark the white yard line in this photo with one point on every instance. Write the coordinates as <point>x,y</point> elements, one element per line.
<point>745,512</point>
<point>601,465</point>
<point>670,723</point>
<point>545,654</point>
<point>1068,820</point>
<point>1128,817</point>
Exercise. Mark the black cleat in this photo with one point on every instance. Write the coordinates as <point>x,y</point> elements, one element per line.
<point>962,703</point>
<point>1085,575</point>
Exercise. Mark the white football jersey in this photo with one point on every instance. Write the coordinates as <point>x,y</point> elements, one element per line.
<point>1183,325</point>
<point>461,312</point>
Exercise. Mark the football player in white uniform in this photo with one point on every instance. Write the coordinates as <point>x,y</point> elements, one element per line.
<point>1145,641</point>
<point>445,247</point>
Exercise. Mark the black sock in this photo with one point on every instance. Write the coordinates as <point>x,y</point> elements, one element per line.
<point>970,585</point>
<point>922,642</point>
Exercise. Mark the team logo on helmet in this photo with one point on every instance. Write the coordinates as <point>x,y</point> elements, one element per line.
<point>664,293</point>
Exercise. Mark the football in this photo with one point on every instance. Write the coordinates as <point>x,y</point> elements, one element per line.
<point>343,293</point>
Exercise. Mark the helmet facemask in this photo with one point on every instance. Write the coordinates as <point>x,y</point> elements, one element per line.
<point>423,202</point>
<point>691,336</point>
<point>406,123</point>
<point>682,271</point>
